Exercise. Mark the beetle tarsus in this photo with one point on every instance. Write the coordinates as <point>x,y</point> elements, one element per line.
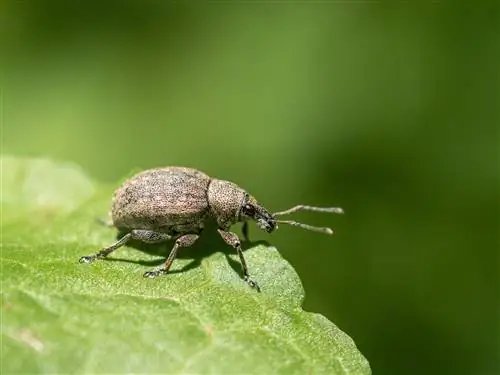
<point>154,273</point>
<point>87,259</point>
<point>253,284</point>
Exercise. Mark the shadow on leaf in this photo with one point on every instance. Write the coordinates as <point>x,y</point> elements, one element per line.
<point>208,244</point>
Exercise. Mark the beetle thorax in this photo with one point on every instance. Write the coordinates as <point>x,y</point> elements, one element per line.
<point>225,200</point>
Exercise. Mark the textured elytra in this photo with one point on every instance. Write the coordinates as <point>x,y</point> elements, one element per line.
<point>168,200</point>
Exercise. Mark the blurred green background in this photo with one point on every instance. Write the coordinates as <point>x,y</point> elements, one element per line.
<point>387,110</point>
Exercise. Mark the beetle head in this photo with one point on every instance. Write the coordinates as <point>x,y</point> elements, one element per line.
<point>230,204</point>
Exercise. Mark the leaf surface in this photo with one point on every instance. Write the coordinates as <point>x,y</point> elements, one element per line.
<point>59,316</point>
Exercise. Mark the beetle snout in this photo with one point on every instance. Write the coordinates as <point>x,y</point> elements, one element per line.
<point>267,223</point>
<point>262,217</point>
<point>271,225</point>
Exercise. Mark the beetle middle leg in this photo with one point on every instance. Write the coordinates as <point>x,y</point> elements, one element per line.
<point>232,240</point>
<point>136,234</point>
<point>185,240</point>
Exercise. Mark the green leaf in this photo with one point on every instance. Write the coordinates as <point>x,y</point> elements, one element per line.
<point>60,316</point>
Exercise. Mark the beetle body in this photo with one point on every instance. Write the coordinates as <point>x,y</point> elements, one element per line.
<point>179,200</point>
<point>167,200</point>
<point>161,204</point>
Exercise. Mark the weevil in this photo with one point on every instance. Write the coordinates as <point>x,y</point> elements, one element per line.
<point>175,203</point>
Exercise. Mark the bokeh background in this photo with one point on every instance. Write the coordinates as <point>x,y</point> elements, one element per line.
<point>388,110</point>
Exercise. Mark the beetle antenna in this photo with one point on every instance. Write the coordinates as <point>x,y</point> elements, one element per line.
<point>301,207</point>
<point>306,226</point>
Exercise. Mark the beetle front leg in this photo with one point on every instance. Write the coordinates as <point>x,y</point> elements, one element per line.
<point>232,240</point>
<point>183,241</point>
<point>136,234</point>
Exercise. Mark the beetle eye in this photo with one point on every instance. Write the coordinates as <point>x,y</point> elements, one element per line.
<point>249,210</point>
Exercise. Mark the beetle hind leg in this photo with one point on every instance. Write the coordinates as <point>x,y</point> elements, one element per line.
<point>136,234</point>
<point>107,250</point>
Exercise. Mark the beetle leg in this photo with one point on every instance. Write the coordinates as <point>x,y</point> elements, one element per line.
<point>232,240</point>
<point>244,230</point>
<point>183,241</point>
<point>149,236</point>
<point>107,250</point>
<point>136,234</point>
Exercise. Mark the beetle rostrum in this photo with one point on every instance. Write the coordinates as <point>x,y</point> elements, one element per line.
<point>174,203</point>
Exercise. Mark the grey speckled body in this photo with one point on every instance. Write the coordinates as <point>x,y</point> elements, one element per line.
<point>175,202</point>
<point>167,200</point>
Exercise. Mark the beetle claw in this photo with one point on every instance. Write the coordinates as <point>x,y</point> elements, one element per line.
<point>153,274</point>
<point>253,284</point>
<point>87,259</point>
